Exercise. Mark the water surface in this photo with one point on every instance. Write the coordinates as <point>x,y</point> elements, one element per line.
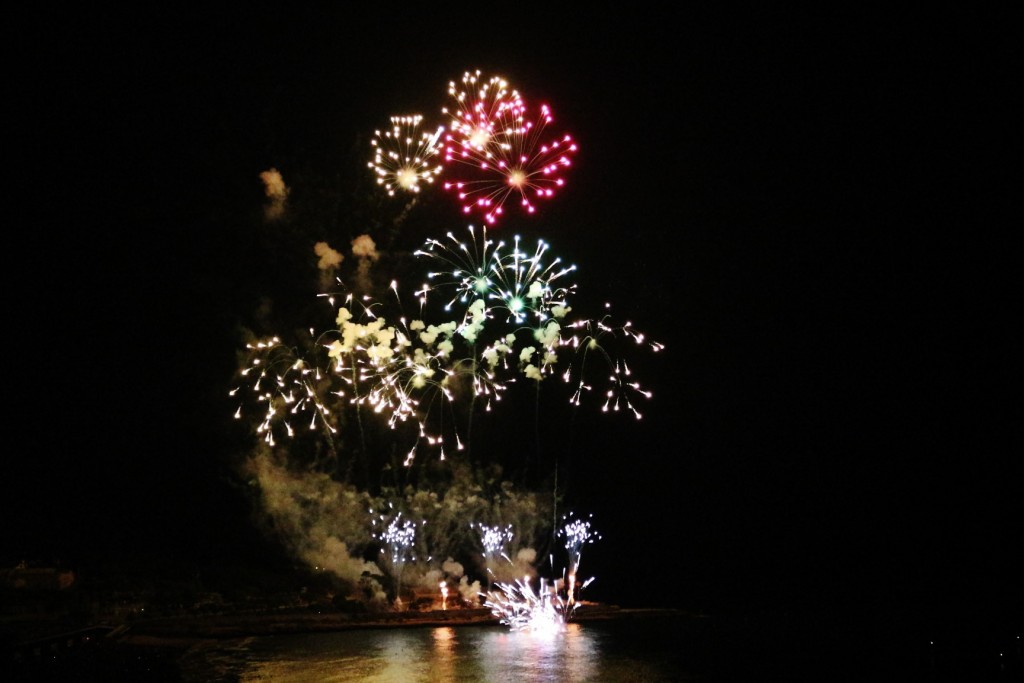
<point>645,650</point>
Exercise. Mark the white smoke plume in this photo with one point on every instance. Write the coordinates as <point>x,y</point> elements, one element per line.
<point>277,194</point>
<point>519,566</point>
<point>328,263</point>
<point>454,574</point>
<point>364,249</point>
<point>470,592</point>
<point>321,520</point>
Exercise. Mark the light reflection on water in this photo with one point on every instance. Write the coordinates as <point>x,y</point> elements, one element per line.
<point>403,655</point>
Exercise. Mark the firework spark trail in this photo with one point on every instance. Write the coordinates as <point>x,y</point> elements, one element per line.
<point>398,537</point>
<point>475,108</point>
<point>287,385</point>
<point>493,538</point>
<point>499,149</point>
<point>521,608</point>
<point>577,533</point>
<point>513,280</point>
<point>595,336</point>
<point>508,317</point>
<point>402,159</point>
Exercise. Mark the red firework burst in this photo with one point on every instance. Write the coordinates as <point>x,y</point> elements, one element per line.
<point>497,149</point>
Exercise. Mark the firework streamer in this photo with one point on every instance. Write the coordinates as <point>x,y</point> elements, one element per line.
<point>287,386</point>
<point>602,337</point>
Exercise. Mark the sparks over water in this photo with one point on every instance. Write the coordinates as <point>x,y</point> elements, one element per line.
<point>489,315</point>
<point>548,608</point>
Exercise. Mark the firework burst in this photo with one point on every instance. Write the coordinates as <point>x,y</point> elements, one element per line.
<point>475,107</point>
<point>521,608</point>
<point>403,157</point>
<point>506,317</point>
<point>493,538</point>
<point>577,533</point>
<point>516,281</point>
<point>500,149</point>
<point>603,338</point>
<point>397,537</point>
<point>287,386</point>
<point>553,604</point>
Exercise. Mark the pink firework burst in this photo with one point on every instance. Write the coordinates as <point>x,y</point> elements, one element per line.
<point>499,150</point>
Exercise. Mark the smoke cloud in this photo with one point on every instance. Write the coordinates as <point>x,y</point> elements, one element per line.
<point>319,519</point>
<point>277,194</point>
<point>328,263</point>
<point>364,249</point>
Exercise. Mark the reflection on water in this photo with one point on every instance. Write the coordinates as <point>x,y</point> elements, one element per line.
<point>582,652</point>
<point>526,656</point>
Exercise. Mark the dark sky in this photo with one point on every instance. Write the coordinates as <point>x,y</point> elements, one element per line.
<point>784,201</point>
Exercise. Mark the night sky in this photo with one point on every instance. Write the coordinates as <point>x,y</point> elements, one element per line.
<point>783,201</point>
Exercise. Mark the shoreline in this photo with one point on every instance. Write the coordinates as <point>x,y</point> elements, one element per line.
<point>178,630</point>
<point>171,636</point>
